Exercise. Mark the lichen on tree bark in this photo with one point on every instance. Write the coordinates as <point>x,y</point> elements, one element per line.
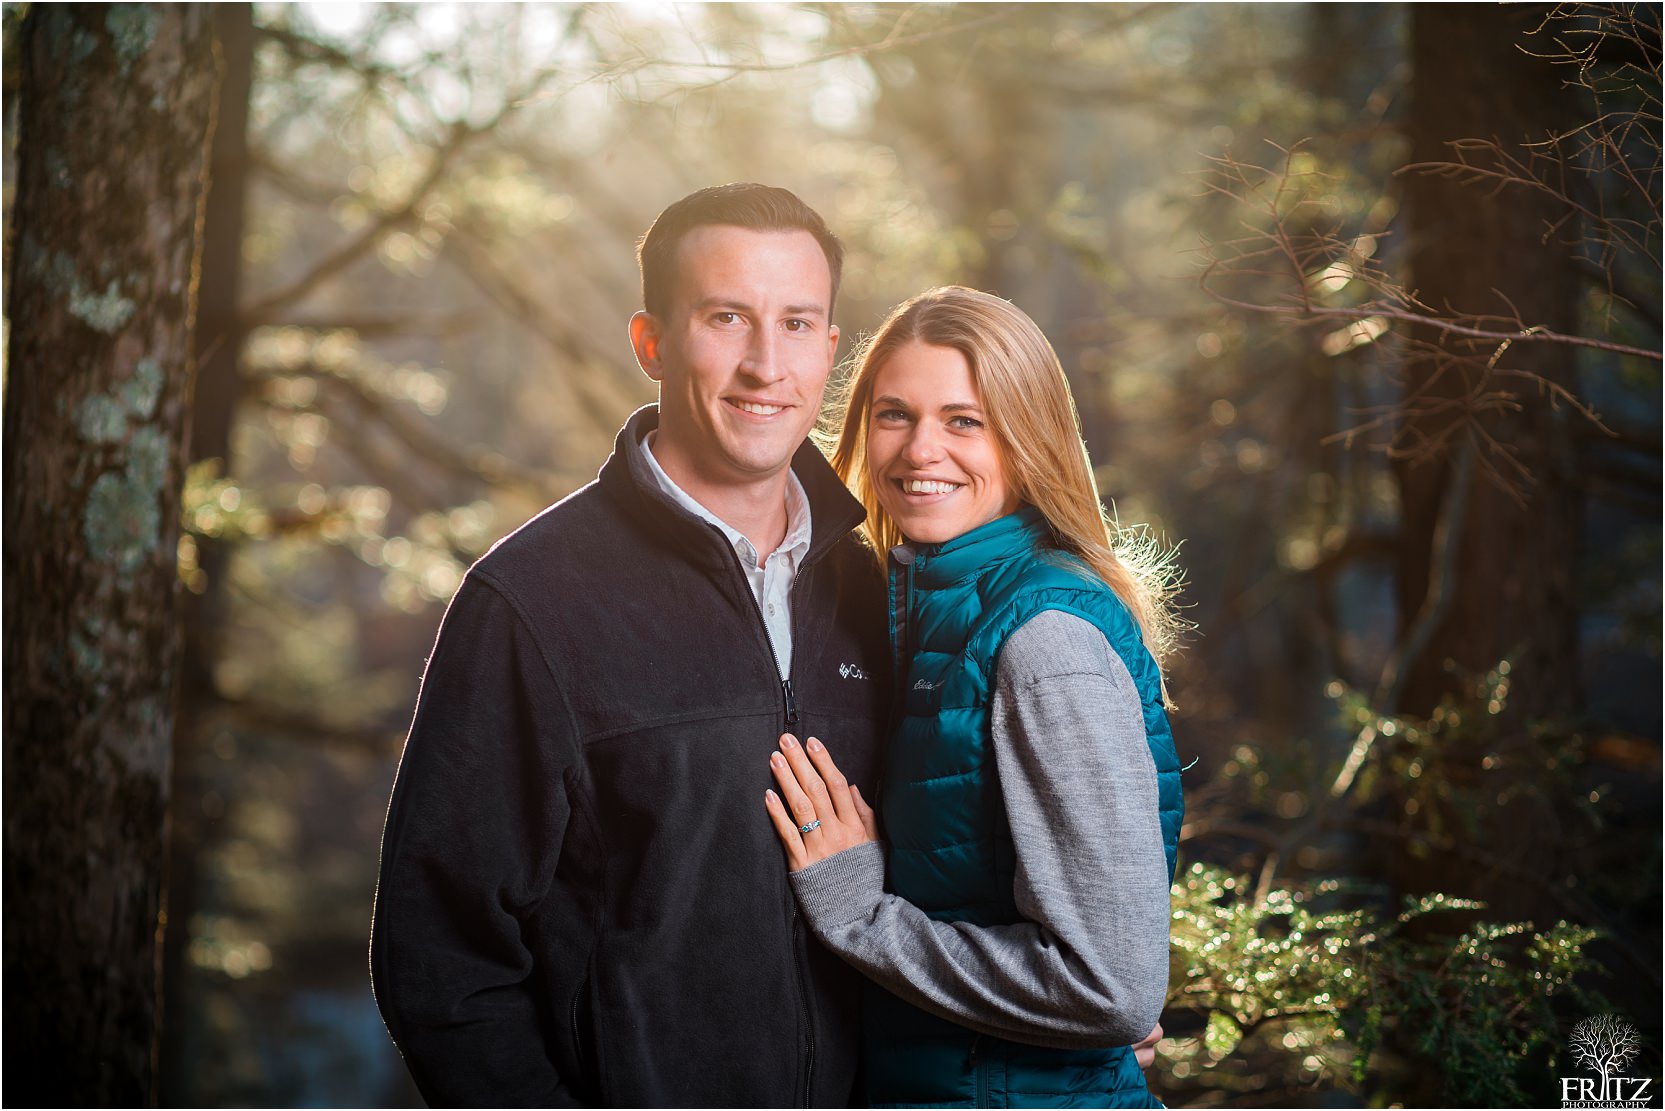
<point>115,113</point>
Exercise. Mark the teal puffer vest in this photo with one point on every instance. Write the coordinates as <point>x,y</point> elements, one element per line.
<point>952,606</point>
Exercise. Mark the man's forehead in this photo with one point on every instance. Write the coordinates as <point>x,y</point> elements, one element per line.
<point>726,260</point>
<point>740,233</point>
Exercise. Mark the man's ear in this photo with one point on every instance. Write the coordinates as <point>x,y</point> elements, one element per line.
<point>644,340</point>
<point>832,343</point>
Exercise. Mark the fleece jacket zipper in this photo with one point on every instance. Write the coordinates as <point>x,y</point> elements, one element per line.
<point>789,698</point>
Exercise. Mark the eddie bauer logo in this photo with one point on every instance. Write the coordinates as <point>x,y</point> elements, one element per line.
<point>1604,1044</point>
<point>851,671</point>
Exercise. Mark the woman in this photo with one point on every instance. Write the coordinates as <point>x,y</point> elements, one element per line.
<point>1031,792</point>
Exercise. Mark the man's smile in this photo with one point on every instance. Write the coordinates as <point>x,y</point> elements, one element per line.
<point>757,408</point>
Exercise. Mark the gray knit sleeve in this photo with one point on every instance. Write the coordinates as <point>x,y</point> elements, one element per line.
<point>1088,966</point>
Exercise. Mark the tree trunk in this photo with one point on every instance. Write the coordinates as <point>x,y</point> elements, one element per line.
<point>1486,564</point>
<point>1512,592</point>
<point>116,110</point>
<point>217,393</point>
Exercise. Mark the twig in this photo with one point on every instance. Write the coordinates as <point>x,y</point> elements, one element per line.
<point>1452,327</point>
<point>266,310</point>
<point>484,466</point>
<point>424,324</point>
<point>478,265</point>
<point>1442,590</point>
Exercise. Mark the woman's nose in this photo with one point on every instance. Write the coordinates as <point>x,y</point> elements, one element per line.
<point>923,448</point>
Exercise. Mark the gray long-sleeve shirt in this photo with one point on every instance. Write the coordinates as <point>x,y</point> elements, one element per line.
<point>1088,965</point>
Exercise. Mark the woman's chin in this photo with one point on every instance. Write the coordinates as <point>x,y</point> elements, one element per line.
<point>929,532</point>
<point>939,527</point>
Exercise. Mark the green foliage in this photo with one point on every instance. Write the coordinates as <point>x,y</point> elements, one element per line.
<point>1451,774</point>
<point>1481,1006</point>
<point>1307,973</point>
<point>1317,982</point>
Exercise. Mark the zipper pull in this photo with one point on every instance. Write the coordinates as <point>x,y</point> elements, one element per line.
<point>791,702</point>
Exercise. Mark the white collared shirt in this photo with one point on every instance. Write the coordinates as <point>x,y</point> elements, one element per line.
<point>771,582</point>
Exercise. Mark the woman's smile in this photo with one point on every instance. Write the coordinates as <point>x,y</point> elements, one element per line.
<point>922,490</point>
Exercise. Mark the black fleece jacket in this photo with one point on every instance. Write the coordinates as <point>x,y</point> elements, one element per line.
<point>581,898</point>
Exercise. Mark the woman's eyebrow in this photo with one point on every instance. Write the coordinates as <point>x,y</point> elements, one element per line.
<point>946,407</point>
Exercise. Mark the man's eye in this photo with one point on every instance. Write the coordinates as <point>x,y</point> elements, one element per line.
<point>726,318</point>
<point>796,325</point>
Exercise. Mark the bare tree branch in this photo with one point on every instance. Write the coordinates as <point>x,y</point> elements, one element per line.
<point>893,39</point>
<point>439,161</point>
<point>1526,334</point>
<point>472,257</point>
<point>478,464</point>
<point>400,215</point>
<point>456,323</point>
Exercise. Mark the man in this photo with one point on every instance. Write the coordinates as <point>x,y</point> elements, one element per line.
<point>581,897</point>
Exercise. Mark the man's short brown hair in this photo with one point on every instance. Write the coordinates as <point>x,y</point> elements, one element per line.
<point>744,204</point>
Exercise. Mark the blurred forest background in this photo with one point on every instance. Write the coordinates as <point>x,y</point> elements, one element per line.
<point>1360,302</point>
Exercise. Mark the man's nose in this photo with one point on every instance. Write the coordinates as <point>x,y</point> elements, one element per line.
<point>762,359</point>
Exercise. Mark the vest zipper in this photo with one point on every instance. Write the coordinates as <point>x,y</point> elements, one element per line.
<point>902,609</point>
<point>902,627</point>
<point>979,1072</point>
<point>908,621</point>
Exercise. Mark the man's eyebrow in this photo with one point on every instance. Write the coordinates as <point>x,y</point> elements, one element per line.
<point>722,303</point>
<point>737,305</point>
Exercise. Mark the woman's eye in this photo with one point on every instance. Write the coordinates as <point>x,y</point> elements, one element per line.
<point>888,415</point>
<point>966,422</point>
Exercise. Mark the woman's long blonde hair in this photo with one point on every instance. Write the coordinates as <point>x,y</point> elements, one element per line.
<point>1026,400</point>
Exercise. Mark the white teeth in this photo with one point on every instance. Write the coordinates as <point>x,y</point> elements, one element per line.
<point>929,486</point>
<point>760,410</point>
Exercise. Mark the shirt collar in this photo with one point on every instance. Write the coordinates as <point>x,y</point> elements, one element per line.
<point>798,524</point>
<point>798,530</point>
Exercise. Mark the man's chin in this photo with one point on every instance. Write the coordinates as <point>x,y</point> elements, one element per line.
<point>759,461</point>
<point>759,470</point>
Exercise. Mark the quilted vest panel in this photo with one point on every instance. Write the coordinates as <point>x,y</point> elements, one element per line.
<point>951,854</point>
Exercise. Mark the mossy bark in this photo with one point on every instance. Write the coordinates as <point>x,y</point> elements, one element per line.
<point>115,113</point>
